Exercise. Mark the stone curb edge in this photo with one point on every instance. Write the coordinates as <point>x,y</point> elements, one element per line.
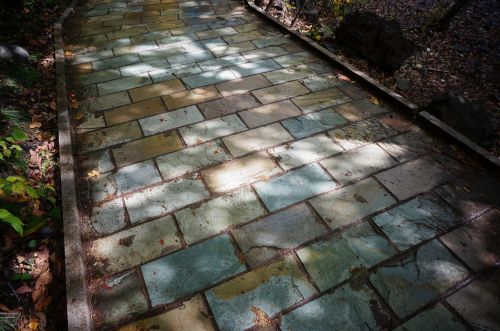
<point>396,98</point>
<point>78,311</point>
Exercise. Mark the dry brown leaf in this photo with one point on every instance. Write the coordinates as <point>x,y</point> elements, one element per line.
<point>33,325</point>
<point>374,100</point>
<point>35,125</point>
<point>93,173</point>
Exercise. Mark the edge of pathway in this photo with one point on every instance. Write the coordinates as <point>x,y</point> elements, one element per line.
<point>408,107</point>
<point>78,311</point>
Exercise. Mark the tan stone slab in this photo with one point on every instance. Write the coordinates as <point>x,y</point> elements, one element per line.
<point>192,315</point>
<point>269,113</point>
<point>241,37</point>
<point>321,99</point>
<point>243,85</point>
<point>146,148</point>
<point>228,105</point>
<point>359,110</point>
<point>191,97</point>
<point>94,140</point>
<point>280,92</point>
<point>134,111</point>
<point>156,90</point>
<point>249,169</point>
<point>256,139</point>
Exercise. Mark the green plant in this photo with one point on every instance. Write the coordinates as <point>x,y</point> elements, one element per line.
<point>10,151</point>
<point>26,75</point>
<point>9,321</point>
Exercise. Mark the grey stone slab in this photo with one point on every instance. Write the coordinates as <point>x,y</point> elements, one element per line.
<point>309,124</point>
<point>344,309</point>
<point>269,113</point>
<point>98,77</point>
<point>144,67</point>
<point>115,62</point>
<point>408,146</point>
<point>263,53</point>
<point>232,49</point>
<point>159,200</point>
<point>434,319</point>
<point>414,281</point>
<point>135,48</point>
<point>261,241</point>
<point>478,302</point>
<point>358,163</point>
<point>320,99</point>
<point>321,82</point>
<point>280,92</point>
<point>104,102</point>
<point>191,159</point>
<point>164,51</point>
<point>288,74</point>
<point>222,62</point>
<point>227,105</point>
<point>190,270</point>
<point>208,78</point>
<point>361,133</point>
<point>123,84</point>
<point>304,151</point>
<point>253,68</point>
<point>211,129</point>
<point>135,176</point>
<point>108,217</point>
<point>333,261</point>
<point>133,246</point>
<point>162,75</point>
<point>271,40</point>
<point>262,292</point>
<point>290,60</point>
<point>93,56</point>
<point>359,110</point>
<point>294,186</point>
<point>170,120</point>
<point>321,67</point>
<point>413,178</point>
<point>227,22</point>
<point>97,161</point>
<point>352,203</point>
<point>178,40</point>
<point>184,58</point>
<point>218,214</point>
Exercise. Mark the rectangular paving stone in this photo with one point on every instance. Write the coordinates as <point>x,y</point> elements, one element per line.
<point>147,148</point>
<point>94,140</point>
<point>97,77</point>
<point>256,139</point>
<point>415,221</point>
<point>104,102</point>
<point>133,246</point>
<point>476,243</point>
<point>134,111</point>
<point>261,241</point>
<point>162,75</point>
<point>190,270</point>
<point>115,62</point>
<point>415,280</point>
<point>359,110</point>
<point>435,319</point>
<point>361,133</point>
<point>304,151</point>
<point>349,204</point>
<point>218,214</point>
<point>189,29</point>
<point>355,91</point>
<point>344,309</point>
<point>221,62</point>
<point>408,146</point>
<point>191,315</point>
<point>288,74</point>
<point>246,170</point>
<point>310,124</point>
<point>294,186</point>
<point>242,85</point>
<point>136,48</point>
<point>241,37</point>
<point>231,20</point>
<point>126,33</point>
<point>123,84</point>
<point>290,60</point>
<point>413,177</point>
<point>232,49</point>
<point>211,129</point>
<point>133,177</point>
<point>156,90</point>
<point>99,160</point>
<point>93,56</point>
<point>263,53</point>
<point>333,261</point>
<point>271,41</point>
<point>227,105</point>
<point>280,92</point>
<point>107,217</point>
<point>359,163</point>
<point>164,51</point>
<point>191,159</point>
<point>254,68</point>
<point>323,81</point>
<point>269,113</point>
<point>190,57</point>
<point>191,97</point>
<point>208,78</point>
<point>150,36</point>
<point>170,120</point>
<point>264,291</point>
<point>159,200</point>
<point>216,33</point>
<point>321,99</point>
<point>143,67</point>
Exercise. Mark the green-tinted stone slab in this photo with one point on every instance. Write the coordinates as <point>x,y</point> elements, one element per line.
<point>413,177</point>
<point>135,176</point>
<point>285,230</point>
<point>190,270</point>
<point>290,60</point>
<point>116,299</point>
<point>478,302</point>
<point>99,160</point>
<point>98,77</point>
<point>208,130</point>
<point>345,309</point>
<point>164,198</point>
<point>320,99</point>
<point>263,53</point>
<point>108,217</point>
<point>266,290</point>
<point>415,221</point>
<point>351,203</point>
<point>417,279</point>
<point>333,261</point>
<point>210,77</point>
<point>104,102</point>
<point>434,319</point>
<point>94,56</point>
<point>294,186</point>
<point>189,57</point>
<point>288,74</point>
<point>115,62</point>
<point>218,214</point>
<point>271,40</point>
<point>219,63</point>
<point>170,120</point>
<point>307,125</point>
<point>361,133</point>
<point>136,48</point>
<point>123,84</point>
<point>358,163</point>
<point>304,151</point>
<point>107,137</point>
<point>253,68</point>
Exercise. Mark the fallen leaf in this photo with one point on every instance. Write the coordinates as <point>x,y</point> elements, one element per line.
<point>93,173</point>
<point>35,125</point>
<point>374,100</point>
<point>33,325</point>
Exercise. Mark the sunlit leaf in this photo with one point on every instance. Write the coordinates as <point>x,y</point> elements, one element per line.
<point>18,134</point>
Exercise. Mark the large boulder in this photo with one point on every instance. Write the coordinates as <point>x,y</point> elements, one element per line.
<point>375,39</point>
<point>468,118</point>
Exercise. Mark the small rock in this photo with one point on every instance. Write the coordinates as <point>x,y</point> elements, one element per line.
<point>11,53</point>
<point>403,84</point>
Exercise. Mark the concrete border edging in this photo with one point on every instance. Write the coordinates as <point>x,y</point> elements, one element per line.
<point>408,106</point>
<point>78,311</point>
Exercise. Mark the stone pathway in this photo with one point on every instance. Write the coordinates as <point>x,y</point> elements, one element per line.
<point>231,179</point>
